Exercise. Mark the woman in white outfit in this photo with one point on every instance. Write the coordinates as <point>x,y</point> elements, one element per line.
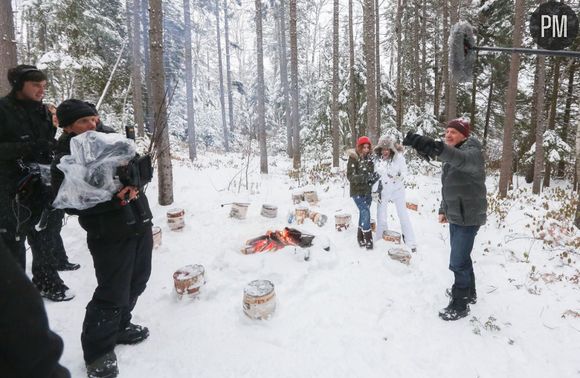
<point>391,167</point>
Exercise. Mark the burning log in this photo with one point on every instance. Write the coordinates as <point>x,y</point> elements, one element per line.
<point>275,240</point>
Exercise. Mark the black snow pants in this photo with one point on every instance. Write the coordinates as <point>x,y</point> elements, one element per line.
<point>122,268</point>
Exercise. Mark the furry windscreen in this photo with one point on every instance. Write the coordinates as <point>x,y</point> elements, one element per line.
<point>461,52</point>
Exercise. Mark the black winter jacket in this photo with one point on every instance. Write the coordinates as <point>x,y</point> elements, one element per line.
<point>463,178</point>
<point>358,173</point>
<point>24,126</point>
<point>107,220</point>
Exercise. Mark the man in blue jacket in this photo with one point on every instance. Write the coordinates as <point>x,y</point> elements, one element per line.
<point>463,205</point>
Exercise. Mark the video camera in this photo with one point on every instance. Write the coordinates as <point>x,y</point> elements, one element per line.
<point>138,172</point>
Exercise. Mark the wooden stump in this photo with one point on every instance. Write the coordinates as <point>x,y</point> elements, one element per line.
<point>392,236</point>
<point>400,254</point>
<point>188,280</point>
<point>259,299</point>
<point>297,198</point>
<point>269,211</point>
<point>301,214</point>
<point>239,210</point>
<point>156,236</point>
<point>311,197</point>
<point>412,206</point>
<point>342,221</point>
<point>176,219</point>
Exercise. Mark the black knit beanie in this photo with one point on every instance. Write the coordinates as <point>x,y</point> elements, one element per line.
<point>70,110</point>
<point>24,72</point>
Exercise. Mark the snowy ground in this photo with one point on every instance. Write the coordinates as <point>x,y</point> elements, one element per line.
<point>345,313</point>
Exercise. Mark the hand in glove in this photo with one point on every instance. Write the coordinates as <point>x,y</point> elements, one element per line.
<point>373,177</point>
<point>425,146</point>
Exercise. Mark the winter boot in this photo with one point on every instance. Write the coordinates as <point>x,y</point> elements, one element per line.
<point>360,238</point>
<point>458,307</point>
<point>471,296</point>
<point>368,237</point>
<point>103,367</point>
<point>63,266</point>
<point>132,334</point>
<point>56,293</point>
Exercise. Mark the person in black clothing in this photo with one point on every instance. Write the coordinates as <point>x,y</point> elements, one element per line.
<point>26,140</point>
<point>121,252</point>
<point>28,348</point>
<point>54,223</point>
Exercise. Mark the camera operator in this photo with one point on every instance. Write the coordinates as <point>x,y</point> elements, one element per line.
<point>26,140</point>
<point>120,248</point>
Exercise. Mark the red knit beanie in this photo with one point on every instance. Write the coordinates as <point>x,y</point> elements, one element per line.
<point>363,140</point>
<point>460,125</point>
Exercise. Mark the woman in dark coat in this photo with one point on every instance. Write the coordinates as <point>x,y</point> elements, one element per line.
<point>361,175</point>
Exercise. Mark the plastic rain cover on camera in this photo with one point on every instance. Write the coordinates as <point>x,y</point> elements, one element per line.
<point>90,169</point>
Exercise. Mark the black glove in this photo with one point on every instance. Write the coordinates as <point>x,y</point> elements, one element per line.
<point>373,177</point>
<point>425,146</point>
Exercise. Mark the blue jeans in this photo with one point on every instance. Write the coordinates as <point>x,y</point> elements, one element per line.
<point>364,207</point>
<point>462,238</point>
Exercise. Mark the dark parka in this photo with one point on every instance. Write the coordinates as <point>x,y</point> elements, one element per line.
<point>464,193</point>
<point>359,172</point>
<point>107,220</point>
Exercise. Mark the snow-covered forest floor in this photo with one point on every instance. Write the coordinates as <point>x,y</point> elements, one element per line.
<point>347,312</point>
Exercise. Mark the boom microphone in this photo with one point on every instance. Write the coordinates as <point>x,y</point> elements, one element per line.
<point>462,51</point>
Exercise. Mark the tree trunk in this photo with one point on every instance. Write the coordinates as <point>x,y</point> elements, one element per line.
<point>221,73</point>
<point>436,71</point>
<point>539,154</point>
<point>191,139</point>
<point>284,79</point>
<point>505,177</point>
<point>445,63</point>
<point>8,57</point>
<point>378,60</point>
<point>135,32</point>
<point>531,139</point>
<point>552,119</point>
<point>228,69</point>
<point>452,105</point>
<point>294,84</point>
<point>261,91</point>
<point>335,131</point>
<point>567,110</point>
<point>149,120</point>
<point>399,27</point>
<point>159,102</point>
<point>487,113</point>
<point>370,60</point>
<point>424,67</point>
<point>474,94</point>
<point>352,86</point>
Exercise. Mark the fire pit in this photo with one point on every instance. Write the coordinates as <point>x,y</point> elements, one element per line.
<point>275,240</point>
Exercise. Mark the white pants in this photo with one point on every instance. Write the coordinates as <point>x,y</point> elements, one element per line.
<point>398,198</point>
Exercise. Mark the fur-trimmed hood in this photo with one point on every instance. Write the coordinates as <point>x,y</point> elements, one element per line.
<point>386,141</point>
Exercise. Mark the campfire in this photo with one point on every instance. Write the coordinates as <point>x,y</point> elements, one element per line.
<point>275,240</point>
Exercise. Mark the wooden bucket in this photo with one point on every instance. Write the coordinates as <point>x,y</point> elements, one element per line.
<point>311,197</point>
<point>156,236</point>
<point>239,210</point>
<point>392,236</point>
<point>412,206</point>
<point>188,280</point>
<point>301,213</point>
<point>319,219</point>
<point>400,254</point>
<point>176,219</point>
<point>297,198</point>
<point>342,221</point>
<point>259,299</point>
<point>269,211</point>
